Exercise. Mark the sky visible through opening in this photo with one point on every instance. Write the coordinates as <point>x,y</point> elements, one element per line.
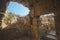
<point>18,9</point>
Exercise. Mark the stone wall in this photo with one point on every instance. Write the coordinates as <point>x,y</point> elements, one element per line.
<point>48,21</point>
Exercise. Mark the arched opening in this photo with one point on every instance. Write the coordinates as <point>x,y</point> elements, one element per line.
<point>18,29</point>
<point>48,25</point>
<point>18,9</point>
<point>15,12</point>
<point>48,20</point>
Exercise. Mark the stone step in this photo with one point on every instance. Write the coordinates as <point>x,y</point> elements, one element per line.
<point>51,36</point>
<point>52,33</point>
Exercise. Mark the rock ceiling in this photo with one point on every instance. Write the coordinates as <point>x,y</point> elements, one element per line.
<point>37,7</point>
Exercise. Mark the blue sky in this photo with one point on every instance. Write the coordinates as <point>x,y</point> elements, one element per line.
<point>18,9</point>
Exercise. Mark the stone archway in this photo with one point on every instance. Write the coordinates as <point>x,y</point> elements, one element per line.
<point>35,33</point>
<point>39,7</point>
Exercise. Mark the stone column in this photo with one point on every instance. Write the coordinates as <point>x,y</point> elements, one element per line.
<point>57,25</point>
<point>34,24</point>
<point>57,18</point>
<point>35,30</point>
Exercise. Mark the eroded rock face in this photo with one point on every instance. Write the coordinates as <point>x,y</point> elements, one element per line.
<point>8,19</point>
<point>16,31</point>
<point>19,30</point>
